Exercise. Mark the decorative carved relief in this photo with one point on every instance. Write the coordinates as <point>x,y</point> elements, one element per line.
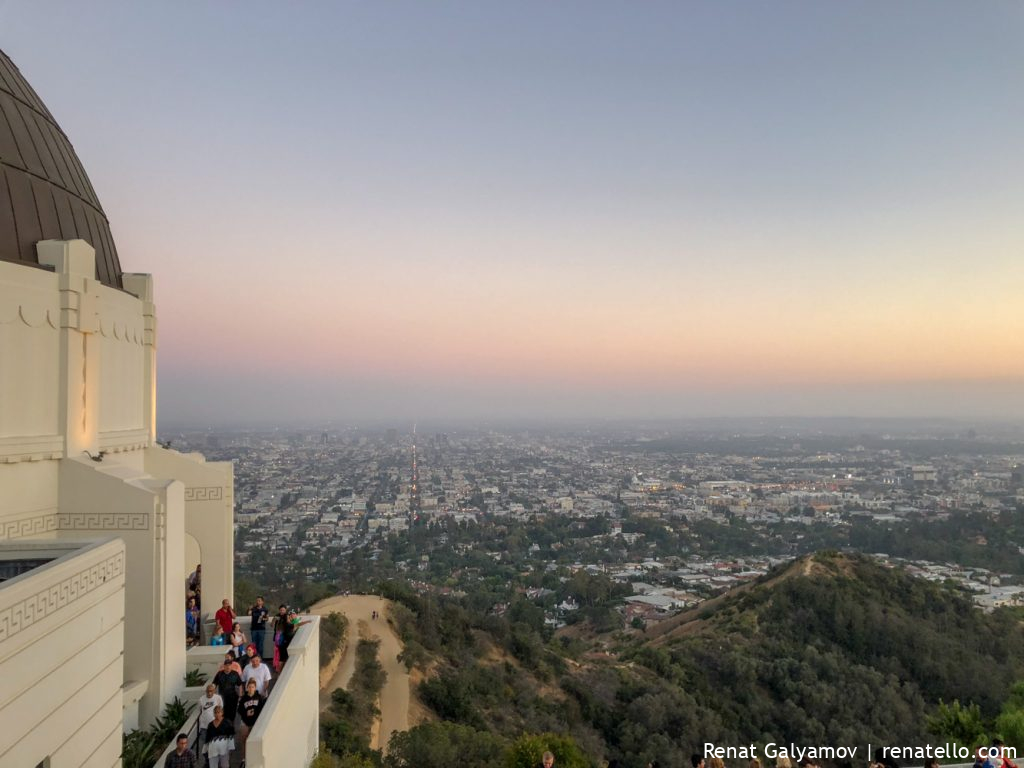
<point>124,440</point>
<point>31,448</point>
<point>33,317</point>
<point>207,493</point>
<point>28,526</point>
<point>111,328</point>
<point>103,521</point>
<point>22,615</point>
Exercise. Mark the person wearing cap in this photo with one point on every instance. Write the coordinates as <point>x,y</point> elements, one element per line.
<point>228,680</point>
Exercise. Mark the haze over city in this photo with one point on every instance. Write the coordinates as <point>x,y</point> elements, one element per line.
<point>575,210</point>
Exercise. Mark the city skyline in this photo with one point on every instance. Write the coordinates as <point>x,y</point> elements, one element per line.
<point>581,210</point>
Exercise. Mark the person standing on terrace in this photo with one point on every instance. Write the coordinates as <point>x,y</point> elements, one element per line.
<point>237,641</point>
<point>191,622</point>
<point>219,638</point>
<point>290,627</point>
<point>258,628</point>
<point>225,616</point>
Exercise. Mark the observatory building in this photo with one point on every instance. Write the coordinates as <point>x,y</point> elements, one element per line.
<point>99,525</point>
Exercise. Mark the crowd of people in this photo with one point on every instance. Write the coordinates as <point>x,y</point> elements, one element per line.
<point>238,692</point>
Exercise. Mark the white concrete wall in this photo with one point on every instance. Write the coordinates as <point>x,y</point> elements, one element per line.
<point>29,365</point>
<point>61,643</point>
<point>209,517</point>
<point>28,499</point>
<point>76,374</point>
<point>193,555</point>
<point>30,432</point>
<point>122,386</point>
<point>288,730</point>
<point>148,514</point>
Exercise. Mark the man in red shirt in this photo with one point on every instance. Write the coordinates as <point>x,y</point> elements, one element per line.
<point>226,616</point>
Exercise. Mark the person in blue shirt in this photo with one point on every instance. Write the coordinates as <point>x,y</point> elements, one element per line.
<point>192,622</point>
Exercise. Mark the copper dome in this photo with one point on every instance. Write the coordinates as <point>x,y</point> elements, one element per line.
<point>44,192</point>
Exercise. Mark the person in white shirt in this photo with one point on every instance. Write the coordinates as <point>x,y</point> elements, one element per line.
<point>206,704</point>
<point>259,672</point>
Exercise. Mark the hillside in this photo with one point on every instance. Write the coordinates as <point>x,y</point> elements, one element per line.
<point>829,649</point>
<point>833,649</point>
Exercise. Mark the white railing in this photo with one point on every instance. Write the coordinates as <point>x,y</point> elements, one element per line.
<point>288,730</point>
<point>287,733</point>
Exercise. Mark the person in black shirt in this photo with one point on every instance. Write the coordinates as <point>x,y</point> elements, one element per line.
<point>228,682</point>
<point>288,629</point>
<point>249,708</point>
<point>279,621</point>
<point>258,613</point>
<point>220,740</point>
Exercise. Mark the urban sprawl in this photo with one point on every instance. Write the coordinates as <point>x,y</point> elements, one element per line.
<point>671,522</point>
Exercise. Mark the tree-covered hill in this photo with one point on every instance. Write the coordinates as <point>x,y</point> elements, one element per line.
<point>835,649</point>
<point>829,649</point>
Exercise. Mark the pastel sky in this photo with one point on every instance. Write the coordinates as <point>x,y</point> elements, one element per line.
<point>408,209</point>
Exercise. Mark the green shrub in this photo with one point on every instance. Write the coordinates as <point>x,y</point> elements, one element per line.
<point>527,751</point>
<point>332,634</point>
<point>140,749</point>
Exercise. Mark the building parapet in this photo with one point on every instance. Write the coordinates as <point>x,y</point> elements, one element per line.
<point>288,730</point>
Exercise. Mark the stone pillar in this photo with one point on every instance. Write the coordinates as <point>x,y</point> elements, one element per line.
<point>74,262</point>
<point>141,286</point>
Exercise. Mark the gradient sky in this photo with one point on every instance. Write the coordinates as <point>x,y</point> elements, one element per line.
<point>366,210</point>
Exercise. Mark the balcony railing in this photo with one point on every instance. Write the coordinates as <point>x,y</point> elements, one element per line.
<point>287,732</point>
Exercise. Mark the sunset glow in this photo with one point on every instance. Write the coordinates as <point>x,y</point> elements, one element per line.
<point>563,210</point>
